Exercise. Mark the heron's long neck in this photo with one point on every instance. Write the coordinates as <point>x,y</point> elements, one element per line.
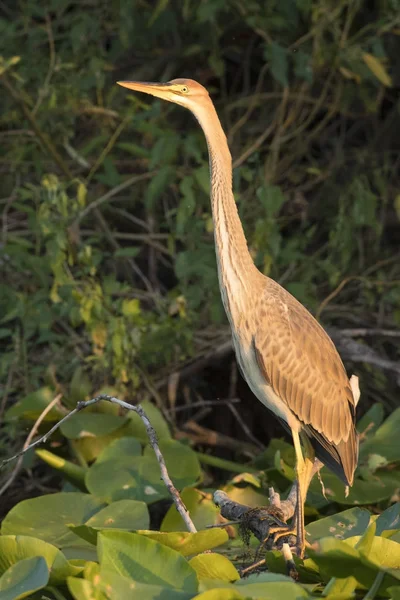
<point>235,265</point>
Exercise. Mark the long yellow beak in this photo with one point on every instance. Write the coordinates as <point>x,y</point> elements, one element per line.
<point>147,87</point>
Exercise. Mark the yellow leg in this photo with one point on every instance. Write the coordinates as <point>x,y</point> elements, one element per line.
<point>304,467</point>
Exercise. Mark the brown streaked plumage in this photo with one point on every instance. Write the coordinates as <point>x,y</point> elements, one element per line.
<point>286,357</point>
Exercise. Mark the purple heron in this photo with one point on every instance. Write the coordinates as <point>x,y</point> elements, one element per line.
<point>288,360</point>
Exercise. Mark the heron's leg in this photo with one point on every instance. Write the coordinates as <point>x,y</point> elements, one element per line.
<point>304,470</point>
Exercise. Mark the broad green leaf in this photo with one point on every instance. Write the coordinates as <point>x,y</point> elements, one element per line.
<point>220,594</point>
<point>133,478</point>
<point>385,442</point>
<point>91,447</point>
<point>126,446</point>
<point>348,523</point>
<point>372,419</point>
<point>182,462</point>
<point>146,561</point>
<point>128,515</point>
<point>214,566</point>
<point>394,592</point>
<point>14,548</point>
<point>246,495</point>
<point>388,520</point>
<point>82,589</point>
<point>382,552</point>
<point>156,419</point>
<point>370,491</point>
<point>85,424</point>
<point>23,578</point>
<point>116,586</point>
<point>48,517</point>
<point>271,586</point>
<point>341,559</point>
<point>202,510</point>
<point>138,477</point>
<point>32,406</point>
<point>187,543</point>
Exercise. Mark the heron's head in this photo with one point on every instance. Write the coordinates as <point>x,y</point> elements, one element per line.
<point>186,92</point>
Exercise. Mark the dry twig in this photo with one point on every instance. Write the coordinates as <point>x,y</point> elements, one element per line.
<point>181,508</point>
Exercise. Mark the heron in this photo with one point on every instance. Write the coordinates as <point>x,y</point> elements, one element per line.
<point>286,357</point>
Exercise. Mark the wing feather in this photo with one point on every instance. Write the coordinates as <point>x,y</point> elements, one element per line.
<point>299,360</point>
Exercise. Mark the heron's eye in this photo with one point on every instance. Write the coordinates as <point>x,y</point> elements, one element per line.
<point>185,89</point>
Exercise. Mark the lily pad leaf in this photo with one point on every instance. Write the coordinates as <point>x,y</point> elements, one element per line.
<point>14,548</point>
<point>214,566</point>
<point>128,515</point>
<point>348,523</point>
<point>126,447</point>
<point>145,561</point>
<point>23,578</point>
<point>202,510</point>
<point>49,517</point>
<point>385,442</point>
<point>138,428</point>
<point>88,424</point>
<point>32,406</point>
<point>82,589</point>
<point>187,543</point>
<point>116,586</point>
<point>389,520</point>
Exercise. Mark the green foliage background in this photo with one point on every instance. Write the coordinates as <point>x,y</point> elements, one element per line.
<point>107,267</point>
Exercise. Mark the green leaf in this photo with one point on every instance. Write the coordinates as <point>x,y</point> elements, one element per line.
<point>220,594</point>
<point>23,578</point>
<point>214,566</point>
<point>116,586</point>
<point>128,515</point>
<point>49,517</point>
<point>128,478</point>
<point>394,592</point>
<point>278,57</point>
<point>82,589</point>
<point>341,559</point>
<point>385,442</point>
<point>370,491</point>
<point>156,419</point>
<point>182,462</point>
<point>348,523</point>
<point>138,477</point>
<point>388,520</point>
<point>85,424</point>
<point>187,543</point>
<point>144,560</point>
<point>271,586</point>
<point>32,406</point>
<point>272,199</point>
<point>15,548</point>
<point>202,510</point>
<point>126,446</point>
<point>372,419</point>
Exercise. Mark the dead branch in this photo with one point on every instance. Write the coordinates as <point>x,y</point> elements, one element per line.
<point>181,508</point>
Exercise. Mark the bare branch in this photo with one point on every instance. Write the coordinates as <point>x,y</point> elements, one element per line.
<point>181,508</point>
